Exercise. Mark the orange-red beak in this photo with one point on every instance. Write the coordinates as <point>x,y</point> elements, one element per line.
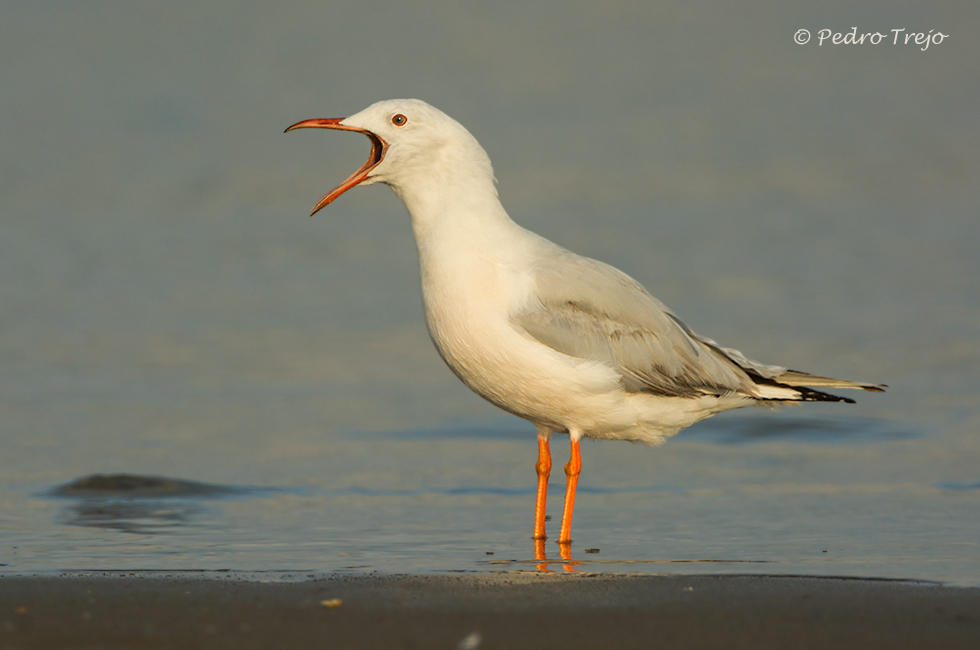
<point>378,149</point>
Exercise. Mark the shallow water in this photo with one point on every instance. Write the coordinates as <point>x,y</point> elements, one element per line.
<point>169,311</point>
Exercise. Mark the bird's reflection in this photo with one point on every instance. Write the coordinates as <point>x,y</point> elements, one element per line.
<point>564,551</point>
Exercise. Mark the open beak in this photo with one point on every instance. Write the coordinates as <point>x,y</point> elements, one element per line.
<point>378,149</point>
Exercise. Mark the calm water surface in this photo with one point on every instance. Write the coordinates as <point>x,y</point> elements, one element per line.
<point>167,309</point>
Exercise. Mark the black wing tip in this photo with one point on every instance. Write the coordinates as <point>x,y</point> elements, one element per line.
<point>804,394</point>
<point>827,397</point>
<point>811,395</point>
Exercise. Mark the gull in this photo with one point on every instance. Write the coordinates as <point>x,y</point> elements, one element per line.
<point>569,343</point>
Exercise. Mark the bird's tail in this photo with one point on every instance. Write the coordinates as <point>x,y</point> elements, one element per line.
<point>777,384</point>
<point>797,378</point>
<point>796,386</point>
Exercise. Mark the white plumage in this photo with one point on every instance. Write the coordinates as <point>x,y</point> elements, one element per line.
<point>569,343</point>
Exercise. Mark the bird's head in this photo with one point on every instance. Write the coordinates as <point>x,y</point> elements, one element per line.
<point>409,140</point>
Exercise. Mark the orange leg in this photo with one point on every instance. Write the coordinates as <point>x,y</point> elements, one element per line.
<point>544,471</point>
<point>572,470</point>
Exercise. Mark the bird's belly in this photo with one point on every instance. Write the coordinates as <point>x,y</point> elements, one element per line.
<point>526,378</point>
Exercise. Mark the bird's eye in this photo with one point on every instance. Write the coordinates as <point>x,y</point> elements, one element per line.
<point>399,120</point>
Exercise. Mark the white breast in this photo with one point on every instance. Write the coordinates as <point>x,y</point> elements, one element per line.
<point>470,293</point>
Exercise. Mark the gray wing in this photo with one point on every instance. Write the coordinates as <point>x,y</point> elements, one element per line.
<point>590,310</point>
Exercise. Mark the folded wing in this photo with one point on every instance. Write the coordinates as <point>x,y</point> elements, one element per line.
<point>589,310</point>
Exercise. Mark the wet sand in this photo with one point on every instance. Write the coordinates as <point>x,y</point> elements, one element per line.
<point>509,610</point>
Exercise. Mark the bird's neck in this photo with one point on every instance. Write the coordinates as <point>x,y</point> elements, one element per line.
<point>456,205</point>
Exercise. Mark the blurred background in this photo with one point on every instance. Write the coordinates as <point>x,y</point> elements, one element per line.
<point>168,309</point>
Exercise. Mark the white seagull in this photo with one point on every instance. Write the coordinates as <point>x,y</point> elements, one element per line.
<point>571,344</point>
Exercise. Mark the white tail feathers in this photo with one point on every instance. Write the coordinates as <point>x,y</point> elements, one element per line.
<point>776,392</point>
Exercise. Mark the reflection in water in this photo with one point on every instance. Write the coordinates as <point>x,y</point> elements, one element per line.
<point>564,550</point>
<point>568,563</point>
<point>144,516</point>
<point>138,504</point>
<point>775,427</point>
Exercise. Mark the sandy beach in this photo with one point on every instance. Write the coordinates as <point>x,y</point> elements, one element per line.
<point>511,610</point>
